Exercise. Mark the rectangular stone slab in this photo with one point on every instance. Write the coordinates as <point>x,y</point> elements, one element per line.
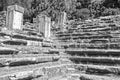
<point>96,60</point>
<point>14,42</point>
<point>98,69</point>
<point>27,60</point>
<point>6,50</point>
<point>14,19</point>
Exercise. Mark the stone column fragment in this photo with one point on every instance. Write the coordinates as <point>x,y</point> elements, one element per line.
<point>14,19</point>
<point>44,25</point>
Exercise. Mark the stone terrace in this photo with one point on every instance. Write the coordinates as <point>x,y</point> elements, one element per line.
<point>87,50</point>
<point>93,45</point>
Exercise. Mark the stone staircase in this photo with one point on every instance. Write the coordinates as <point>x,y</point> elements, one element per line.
<point>26,55</point>
<point>88,50</point>
<point>94,48</point>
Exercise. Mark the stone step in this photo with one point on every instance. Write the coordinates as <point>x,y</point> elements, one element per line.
<point>27,61</point>
<point>33,49</point>
<point>26,37</point>
<point>46,71</point>
<point>98,69</point>
<point>7,50</point>
<point>21,35</point>
<point>14,42</point>
<point>20,55</point>
<point>82,76</point>
<point>96,77</point>
<point>53,51</point>
<point>96,60</point>
<point>93,52</point>
<point>96,45</point>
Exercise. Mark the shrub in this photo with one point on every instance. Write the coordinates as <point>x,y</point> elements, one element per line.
<point>83,13</point>
<point>110,11</point>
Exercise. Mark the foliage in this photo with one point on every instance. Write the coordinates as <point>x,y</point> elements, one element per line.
<point>111,11</point>
<point>96,9</point>
<point>83,13</point>
<point>74,8</point>
<point>84,3</point>
<point>111,3</point>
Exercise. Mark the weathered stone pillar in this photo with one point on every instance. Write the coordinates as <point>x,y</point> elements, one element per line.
<point>44,25</point>
<point>62,20</point>
<point>64,17</point>
<point>14,19</point>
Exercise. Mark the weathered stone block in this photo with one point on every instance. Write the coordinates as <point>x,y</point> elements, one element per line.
<point>14,19</point>
<point>44,25</point>
<point>62,18</point>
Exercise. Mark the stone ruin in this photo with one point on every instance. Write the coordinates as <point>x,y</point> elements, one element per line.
<point>93,53</point>
<point>44,25</point>
<point>14,19</point>
<point>25,51</point>
<point>62,19</point>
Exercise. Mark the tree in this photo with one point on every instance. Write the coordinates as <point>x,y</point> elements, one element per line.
<point>111,3</point>
<point>83,13</point>
<point>111,11</point>
<point>96,9</point>
<point>84,3</point>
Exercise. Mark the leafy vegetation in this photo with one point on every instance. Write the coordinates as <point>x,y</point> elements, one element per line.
<point>75,9</point>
